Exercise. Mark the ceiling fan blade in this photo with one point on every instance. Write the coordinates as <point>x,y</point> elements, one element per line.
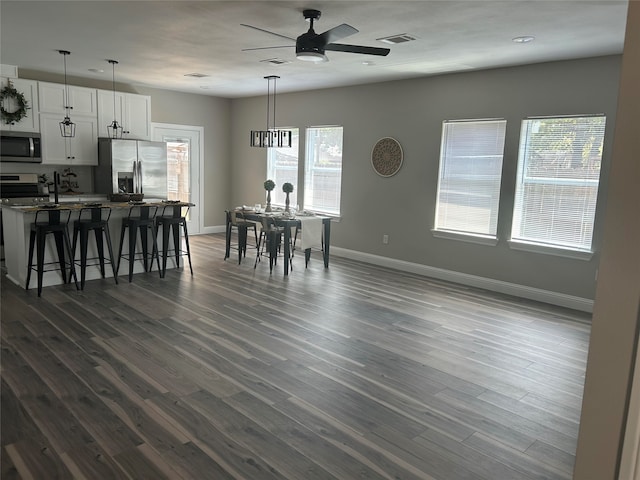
<point>341,47</point>
<point>267,31</point>
<point>336,33</point>
<point>266,48</point>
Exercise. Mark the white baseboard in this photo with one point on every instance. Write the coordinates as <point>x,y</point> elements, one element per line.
<point>213,229</point>
<point>523,291</point>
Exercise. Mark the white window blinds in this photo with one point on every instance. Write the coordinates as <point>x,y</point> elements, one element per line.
<point>557,182</point>
<point>282,167</point>
<point>323,170</point>
<point>469,178</point>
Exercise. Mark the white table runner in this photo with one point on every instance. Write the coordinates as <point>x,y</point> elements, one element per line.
<point>311,232</point>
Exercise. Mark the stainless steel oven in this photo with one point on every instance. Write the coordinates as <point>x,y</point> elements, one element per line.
<point>18,189</point>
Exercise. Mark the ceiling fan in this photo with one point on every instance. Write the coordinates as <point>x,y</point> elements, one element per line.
<point>310,46</point>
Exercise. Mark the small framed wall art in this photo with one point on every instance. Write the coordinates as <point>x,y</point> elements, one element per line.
<point>386,157</point>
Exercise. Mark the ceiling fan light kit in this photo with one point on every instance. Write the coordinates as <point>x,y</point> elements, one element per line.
<point>315,57</point>
<point>271,136</point>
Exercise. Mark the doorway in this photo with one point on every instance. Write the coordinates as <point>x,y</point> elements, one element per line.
<point>185,167</point>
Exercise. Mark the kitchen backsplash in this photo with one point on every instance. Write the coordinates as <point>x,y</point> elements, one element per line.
<point>84,174</point>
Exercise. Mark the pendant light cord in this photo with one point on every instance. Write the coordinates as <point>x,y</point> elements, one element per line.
<point>270,99</point>
<point>113,70</point>
<point>275,80</point>
<point>64,54</point>
<point>66,85</point>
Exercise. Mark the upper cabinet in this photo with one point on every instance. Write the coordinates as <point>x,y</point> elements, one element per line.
<point>132,112</point>
<point>79,150</point>
<point>82,100</point>
<point>29,88</point>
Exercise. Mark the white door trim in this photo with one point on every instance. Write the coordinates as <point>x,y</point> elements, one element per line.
<point>630,459</point>
<point>200,167</point>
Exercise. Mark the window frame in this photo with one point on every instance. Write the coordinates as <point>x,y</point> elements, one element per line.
<point>277,195</point>
<point>470,235</point>
<point>309,169</point>
<point>519,241</point>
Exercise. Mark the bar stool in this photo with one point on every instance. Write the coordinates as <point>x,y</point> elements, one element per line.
<point>38,235</point>
<point>94,219</point>
<point>142,223</point>
<point>173,221</point>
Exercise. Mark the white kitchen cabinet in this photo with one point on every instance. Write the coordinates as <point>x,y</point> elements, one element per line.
<point>79,150</point>
<point>138,116</point>
<point>52,99</point>
<point>29,88</point>
<point>132,112</point>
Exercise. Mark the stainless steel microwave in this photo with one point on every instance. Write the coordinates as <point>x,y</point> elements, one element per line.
<point>20,147</point>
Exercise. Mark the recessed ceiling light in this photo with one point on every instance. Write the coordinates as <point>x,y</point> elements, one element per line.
<point>368,63</point>
<point>523,39</point>
<point>196,75</point>
<point>96,70</point>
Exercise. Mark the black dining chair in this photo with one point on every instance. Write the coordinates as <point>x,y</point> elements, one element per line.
<point>269,242</point>
<point>237,221</point>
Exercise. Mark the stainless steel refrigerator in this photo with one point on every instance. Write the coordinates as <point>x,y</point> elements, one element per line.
<point>131,166</point>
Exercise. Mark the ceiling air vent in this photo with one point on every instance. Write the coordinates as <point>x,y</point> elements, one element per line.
<point>395,39</point>
<point>196,75</point>
<point>275,61</point>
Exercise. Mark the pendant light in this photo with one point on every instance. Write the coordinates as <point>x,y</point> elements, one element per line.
<point>271,137</point>
<point>67,127</point>
<point>114,130</point>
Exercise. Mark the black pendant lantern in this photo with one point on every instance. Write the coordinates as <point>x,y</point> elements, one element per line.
<point>114,129</point>
<point>67,127</point>
<point>271,137</point>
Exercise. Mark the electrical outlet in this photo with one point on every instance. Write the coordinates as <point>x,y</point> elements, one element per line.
<point>385,239</point>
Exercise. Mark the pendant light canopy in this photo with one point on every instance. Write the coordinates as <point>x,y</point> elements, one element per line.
<point>271,137</point>
<point>114,129</point>
<point>67,127</point>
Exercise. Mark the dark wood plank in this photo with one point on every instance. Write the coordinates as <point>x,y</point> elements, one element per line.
<point>355,371</point>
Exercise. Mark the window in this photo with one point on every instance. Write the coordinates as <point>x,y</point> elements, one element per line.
<point>282,167</point>
<point>323,170</point>
<point>469,178</point>
<point>178,170</point>
<point>557,183</point>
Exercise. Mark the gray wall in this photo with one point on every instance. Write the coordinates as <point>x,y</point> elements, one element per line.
<point>412,111</point>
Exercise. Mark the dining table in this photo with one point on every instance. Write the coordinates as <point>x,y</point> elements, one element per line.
<point>288,222</point>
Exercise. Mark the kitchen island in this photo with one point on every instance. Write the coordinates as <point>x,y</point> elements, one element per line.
<point>17,220</point>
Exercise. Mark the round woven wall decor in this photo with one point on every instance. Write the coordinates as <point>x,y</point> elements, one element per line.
<point>386,157</point>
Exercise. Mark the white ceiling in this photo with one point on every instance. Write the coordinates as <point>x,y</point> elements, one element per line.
<point>158,42</point>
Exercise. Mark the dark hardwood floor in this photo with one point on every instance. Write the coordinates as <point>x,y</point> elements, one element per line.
<point>352,372</point>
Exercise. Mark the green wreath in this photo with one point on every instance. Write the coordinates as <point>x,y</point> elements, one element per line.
<point>10,118</point>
